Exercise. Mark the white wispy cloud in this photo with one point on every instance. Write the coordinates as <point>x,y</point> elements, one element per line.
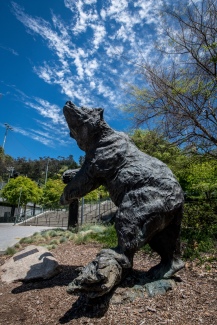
<point>47,110</point>
<point>32,134</point>
<point>57,42</point>
<point>9,50</point>
<point>113,32</point>
<point>99,34</point>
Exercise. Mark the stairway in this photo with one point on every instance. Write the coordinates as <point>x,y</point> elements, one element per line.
<point>88,213</point>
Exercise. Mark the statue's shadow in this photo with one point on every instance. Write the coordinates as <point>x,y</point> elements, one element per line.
<point>131,287</point>
<point>97,307</point>
<point>83,306</point>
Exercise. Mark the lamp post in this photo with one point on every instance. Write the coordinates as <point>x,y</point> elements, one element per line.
<point>11,171</point>
<point>46,172</point>
<point>8,127</point>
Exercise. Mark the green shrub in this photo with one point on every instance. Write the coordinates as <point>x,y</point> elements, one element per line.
<point>10,251</point>
<point>63,240</point>
<point>108,238</point>
<point>54,242</point>
<point>27,240</point>
<point>82,239</point>
<point>199,228</point>
<point>67,234</point>
<point>52,233</point>
<point>49,247</point>
<point>45,234</point>
<point>72,236</point>
<point>17,245</point>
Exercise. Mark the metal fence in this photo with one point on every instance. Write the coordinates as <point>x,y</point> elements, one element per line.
<point>90,212</point>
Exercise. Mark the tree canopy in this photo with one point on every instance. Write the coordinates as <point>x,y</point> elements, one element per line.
<point>51,193</point>
<point>21,190</point>
<point>155,144</point>
<point>36,169</point>
<point>179,96</point>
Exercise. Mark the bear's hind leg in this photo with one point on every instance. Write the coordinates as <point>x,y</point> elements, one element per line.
<point>167,244</point>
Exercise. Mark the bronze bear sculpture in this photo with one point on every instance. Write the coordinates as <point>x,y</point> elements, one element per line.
<point>147,194</point>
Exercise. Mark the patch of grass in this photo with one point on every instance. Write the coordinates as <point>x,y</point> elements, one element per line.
<point>10,251</point>
<point>82,239</point>
<point>72,236</point>
<point>146,249</point>
<point>45,235</point>
<point>108,237</point>
<point>63,240</point>
<point>49,247</point>
<point>53,233</point>
<point>66,234</point>
<point>27,240</point>
<point>196,242</point>
<point>36,234</point>
<point>73,230</point>
<point>54,242</point>
<point>38,238</point>
<point>17,245</point>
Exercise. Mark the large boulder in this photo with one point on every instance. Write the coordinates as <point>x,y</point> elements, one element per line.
<point>32,263</point>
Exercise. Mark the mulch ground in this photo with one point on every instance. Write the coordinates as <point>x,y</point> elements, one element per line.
<point>192,301</point>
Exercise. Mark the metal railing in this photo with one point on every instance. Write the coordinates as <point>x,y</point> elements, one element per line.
<point>91,212</point>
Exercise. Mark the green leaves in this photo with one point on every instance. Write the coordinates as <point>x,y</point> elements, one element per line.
<point>51,193</point>
<point>202,179</point>
<point>21,189</point>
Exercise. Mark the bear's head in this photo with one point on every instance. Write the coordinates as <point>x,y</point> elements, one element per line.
<point>84,123</point>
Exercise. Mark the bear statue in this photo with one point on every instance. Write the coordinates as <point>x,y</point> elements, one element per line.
<point>147,194</point>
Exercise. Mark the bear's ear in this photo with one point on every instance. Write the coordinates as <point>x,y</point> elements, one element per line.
<point>101,111</point>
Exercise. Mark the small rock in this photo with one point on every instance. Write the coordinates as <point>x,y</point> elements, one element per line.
<point>159,287</point>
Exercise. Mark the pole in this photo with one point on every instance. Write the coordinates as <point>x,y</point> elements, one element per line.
<point>18,207</point>
<point>19,199</point>
<point>8,127</point>
<point>82,210</point>
<point>46,173</point>
<point>11,171</point>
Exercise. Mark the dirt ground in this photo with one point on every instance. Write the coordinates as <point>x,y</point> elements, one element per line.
<point>192,301</point>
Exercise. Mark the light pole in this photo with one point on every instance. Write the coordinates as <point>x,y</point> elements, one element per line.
<point>11,171</point>
<point>46,172</point>
<point>8,127</point>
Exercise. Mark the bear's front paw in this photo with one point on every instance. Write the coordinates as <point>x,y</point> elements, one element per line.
<point>97,278</point>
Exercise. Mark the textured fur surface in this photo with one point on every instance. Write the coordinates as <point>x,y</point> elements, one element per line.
<point>147,194</point>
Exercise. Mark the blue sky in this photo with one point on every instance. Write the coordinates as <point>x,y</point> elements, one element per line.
<point>52,51</point>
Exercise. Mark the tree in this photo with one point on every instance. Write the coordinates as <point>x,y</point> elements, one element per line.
<point>95,195</point>
<point>202,179</point>
<point>5,162</point>
<point>21,190</point>
<point>180,96</point>
<point>154,144</point>
<point>51,193</point>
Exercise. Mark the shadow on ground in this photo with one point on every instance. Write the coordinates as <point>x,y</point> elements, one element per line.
<point>67,274</point>
<point>133,285</point>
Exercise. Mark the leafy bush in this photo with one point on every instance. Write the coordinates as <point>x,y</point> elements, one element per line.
<point>199,229</point>
<point>10,251</point>
<point>108,237</point>
<point>27,240</point>
<point>63,239</point>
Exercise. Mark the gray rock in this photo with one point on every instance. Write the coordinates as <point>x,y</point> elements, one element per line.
<point>159,287</point>
<point>32,263</point>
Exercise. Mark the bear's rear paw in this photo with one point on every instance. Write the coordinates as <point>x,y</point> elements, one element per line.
<point>99,276</point>
<point>165,269</point>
